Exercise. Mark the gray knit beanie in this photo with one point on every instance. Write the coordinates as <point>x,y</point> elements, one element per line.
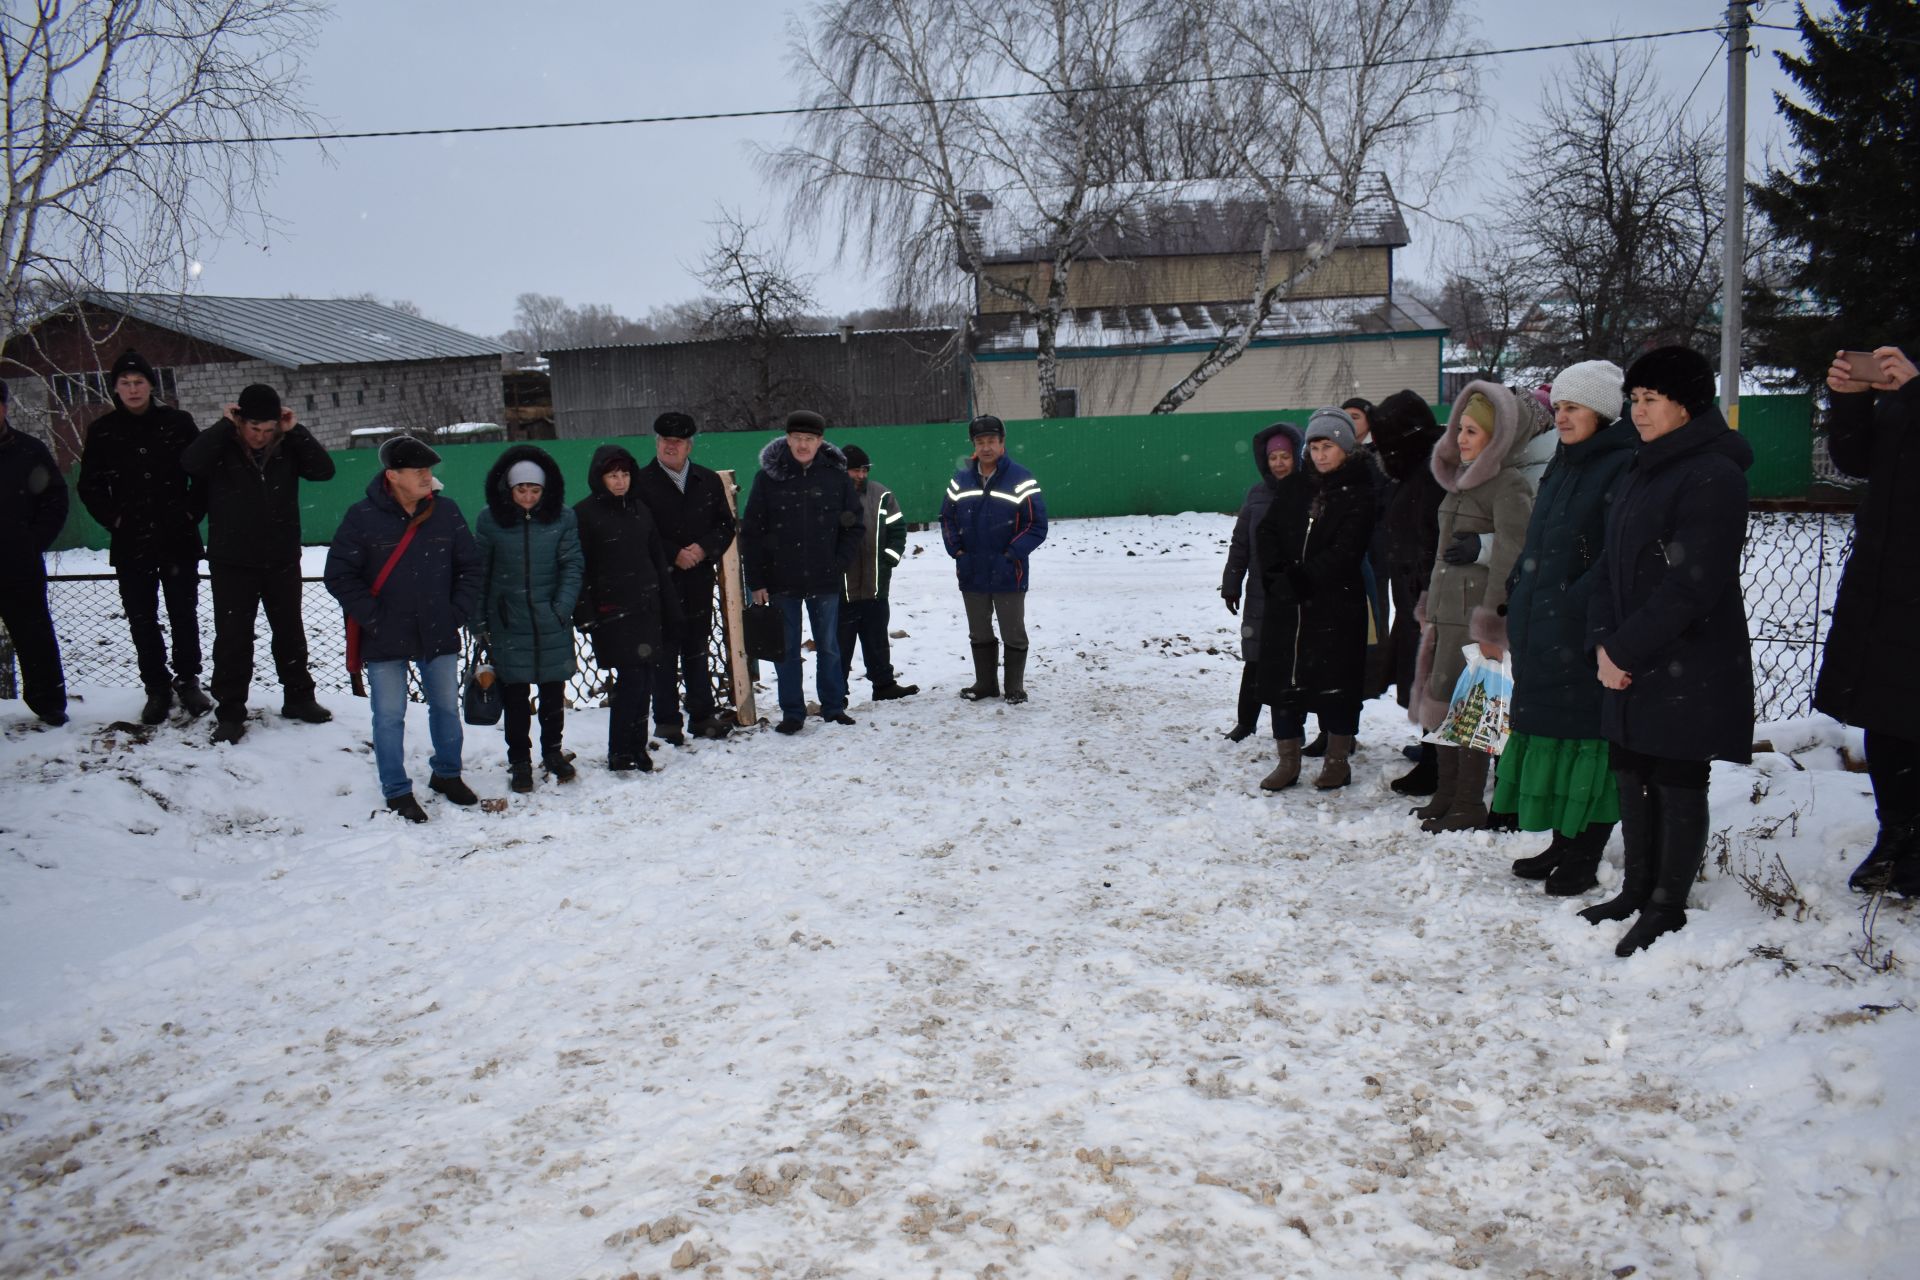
<point>1597,384</point>
<point>1331,424</point>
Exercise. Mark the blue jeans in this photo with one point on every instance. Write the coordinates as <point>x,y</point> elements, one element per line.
<point>387,691</point>
<point>823,619</point>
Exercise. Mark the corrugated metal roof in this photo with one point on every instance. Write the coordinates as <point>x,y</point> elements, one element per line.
<point>940,331</point>
<point>1176,219</point>
<point>1205,322</point>
<point>293,332</point>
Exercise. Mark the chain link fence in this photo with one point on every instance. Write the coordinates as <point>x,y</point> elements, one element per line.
<point>1790,568</point>
<point>96,649</point>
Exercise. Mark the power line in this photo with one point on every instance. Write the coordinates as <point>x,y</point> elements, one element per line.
<point>833,108</point>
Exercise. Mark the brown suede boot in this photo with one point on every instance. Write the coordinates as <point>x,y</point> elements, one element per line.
<point>1335,771</point>
<point>1287,772</point>
<point>1468,812</point>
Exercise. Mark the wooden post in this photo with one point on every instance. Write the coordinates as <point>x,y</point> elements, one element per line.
<point>732,625</point>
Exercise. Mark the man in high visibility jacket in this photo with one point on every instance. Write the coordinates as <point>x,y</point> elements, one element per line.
<point>991,519</point>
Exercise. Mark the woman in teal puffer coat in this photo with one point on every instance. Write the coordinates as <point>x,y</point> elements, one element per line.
<point>530,549</point>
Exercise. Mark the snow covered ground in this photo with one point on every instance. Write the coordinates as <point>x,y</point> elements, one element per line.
<point>964,990</point>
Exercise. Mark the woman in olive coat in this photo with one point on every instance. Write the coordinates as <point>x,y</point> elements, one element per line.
<point>628,608</point>
<point>1483,522</point>
<point>530,551</point>
<point>1313,640</point>
<point>1554,773</point>
<point>1668,627</point>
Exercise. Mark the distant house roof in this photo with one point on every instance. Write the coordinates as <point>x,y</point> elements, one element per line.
<point>1012,333</point>
<point>941,332</point>
<point>1183,219</point>
<point>292,332</point>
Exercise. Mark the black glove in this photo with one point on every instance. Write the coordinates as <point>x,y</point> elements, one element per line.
<point>1465,549</point>
<point>1233,604</point>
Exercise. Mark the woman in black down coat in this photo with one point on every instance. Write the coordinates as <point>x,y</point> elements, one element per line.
<point>1668,626</point>
<point>1404,432</point>
<point>1278,452</point>
<point>1869,676</point>
<point>1313,643</point>
<point>626,607</point>
<point>1555,774</point>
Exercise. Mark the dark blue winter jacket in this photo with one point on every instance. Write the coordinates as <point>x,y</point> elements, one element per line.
<point>992,526</point>
<point>432,591</point>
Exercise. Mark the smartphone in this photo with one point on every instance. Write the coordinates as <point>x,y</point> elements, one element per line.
<point>1863,366</point>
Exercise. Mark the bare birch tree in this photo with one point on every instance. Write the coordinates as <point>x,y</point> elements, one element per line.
<point>1301,100</point>
<point>120,150</point>
<point>1617,214</point>
<point>908,183</point>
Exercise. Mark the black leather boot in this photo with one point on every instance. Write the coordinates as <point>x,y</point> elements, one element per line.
<point>1541,865</point>
<point>1424,778</point>
<point>1579,862</point>
<point>1639,834</point>
<point>1016,682</point>
<point>1683,847</point>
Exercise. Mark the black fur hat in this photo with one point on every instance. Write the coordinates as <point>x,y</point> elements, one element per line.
<point>1680,374</point>
<point>807,422</point>
<point>674,426</point>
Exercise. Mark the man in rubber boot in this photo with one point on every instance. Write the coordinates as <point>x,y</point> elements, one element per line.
<point>250,464</point>
<point>991,520</point>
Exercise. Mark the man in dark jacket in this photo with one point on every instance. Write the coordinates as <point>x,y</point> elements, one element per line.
<point>250,465</point>
<point>407,574</point>
<point>1868,675</point>
<point>991,520</point>
<point>799,537</point>
<point>689,506</point>
<point>863,601</point>
<point>132,483</point>
<point>33,509</point>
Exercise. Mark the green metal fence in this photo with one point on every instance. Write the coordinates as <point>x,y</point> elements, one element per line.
<point>1114,466</point>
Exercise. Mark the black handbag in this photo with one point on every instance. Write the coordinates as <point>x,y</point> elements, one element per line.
<point>766,633</point>
<point>482,702</point>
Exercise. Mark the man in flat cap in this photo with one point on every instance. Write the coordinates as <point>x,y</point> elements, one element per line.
<point>250,464</point>
<point>689,506</point>
<point>799,536</point>
<point>407,574</point>
<point>992,518</point>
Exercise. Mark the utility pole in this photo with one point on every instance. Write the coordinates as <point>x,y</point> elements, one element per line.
<point>1734,232</point>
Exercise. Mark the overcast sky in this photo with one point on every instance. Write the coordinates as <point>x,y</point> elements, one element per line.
<point>462,225</point>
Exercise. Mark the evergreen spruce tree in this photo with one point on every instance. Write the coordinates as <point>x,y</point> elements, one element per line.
<point>1848,274</point>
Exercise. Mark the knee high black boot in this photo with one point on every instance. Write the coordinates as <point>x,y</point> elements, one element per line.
<point>1578,862</point>
<point>1683,847</point>
<point>1640,836</point>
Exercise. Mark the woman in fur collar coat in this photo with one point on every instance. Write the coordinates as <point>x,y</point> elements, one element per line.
<point>1483,525</point>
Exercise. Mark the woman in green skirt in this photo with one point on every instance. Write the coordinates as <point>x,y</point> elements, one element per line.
<point>1555,773</point>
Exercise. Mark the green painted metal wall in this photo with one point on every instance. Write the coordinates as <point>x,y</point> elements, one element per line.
<point>1086,466</point>
<point>1780,429</point>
